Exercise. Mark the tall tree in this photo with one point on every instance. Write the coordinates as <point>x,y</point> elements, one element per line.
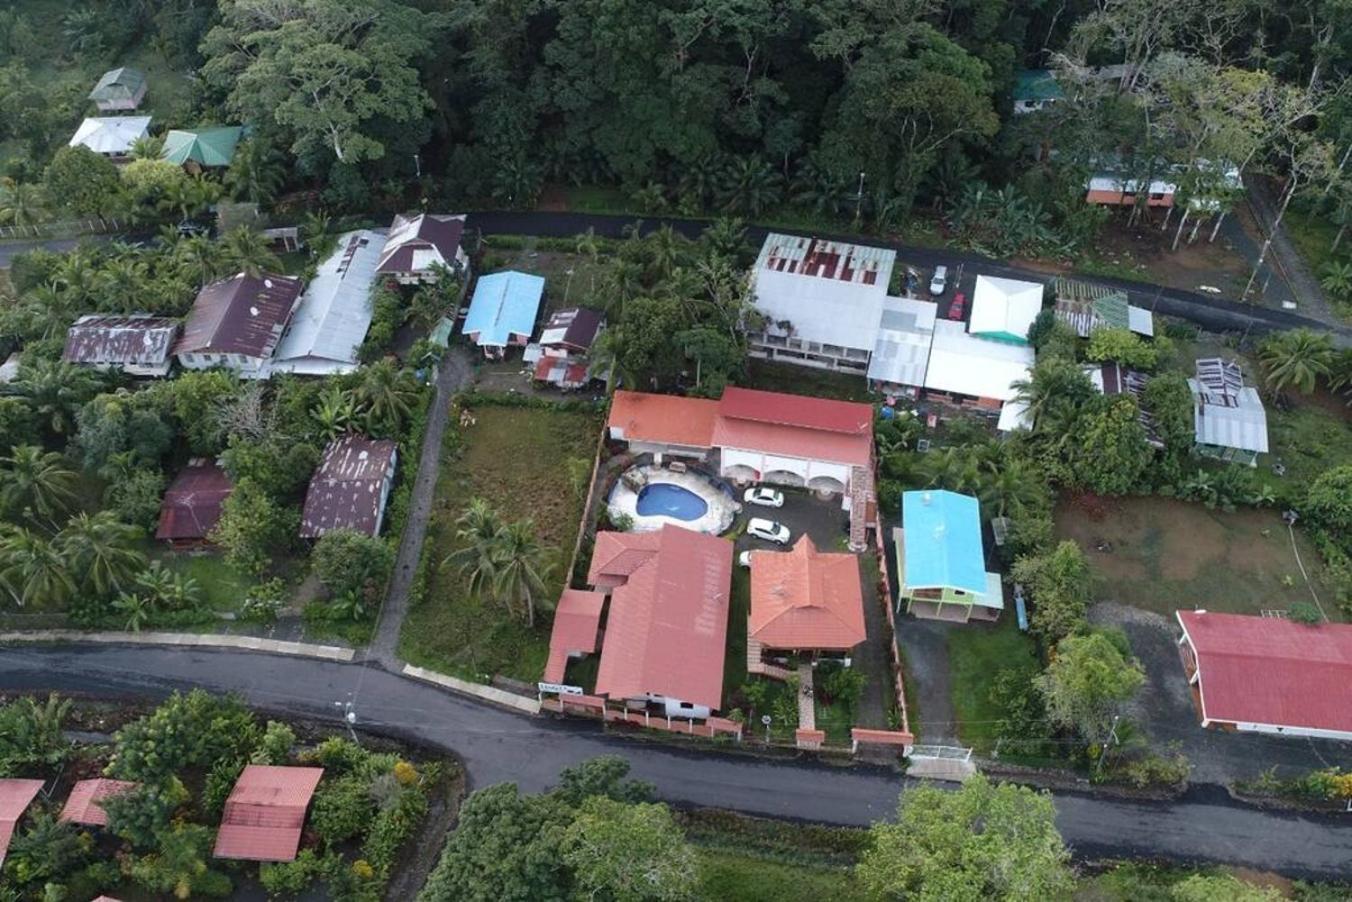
<point>520,566</point>
<point>35,484</point>
<point>102,551</point>
<point>1087,682</point>
<point>984,841</point>
<point>630,853</point>
<point>1296,359</point>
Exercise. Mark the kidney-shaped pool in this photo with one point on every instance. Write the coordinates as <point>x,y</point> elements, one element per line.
<point>662,499</point>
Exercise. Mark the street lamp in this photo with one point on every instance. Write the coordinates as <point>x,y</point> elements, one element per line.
<point>765,720</point>
<point>859,199</point>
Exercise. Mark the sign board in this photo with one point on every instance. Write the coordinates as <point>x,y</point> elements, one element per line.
<point>560,688</point>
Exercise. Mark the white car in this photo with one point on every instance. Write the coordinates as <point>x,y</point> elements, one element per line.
<point>768,530</point>
<point>939,284</point>
<point>763,496</point>
<point>744,558</point>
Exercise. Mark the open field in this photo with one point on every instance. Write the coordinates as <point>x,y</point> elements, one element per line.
<point>977,652</point>
<point>1168,554</point>
<point>727,877</point>
<point>222,586</point>
<point>517,459</point>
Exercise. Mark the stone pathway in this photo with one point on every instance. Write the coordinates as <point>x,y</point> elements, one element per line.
<point>807,705</point>
<point>454,373</point>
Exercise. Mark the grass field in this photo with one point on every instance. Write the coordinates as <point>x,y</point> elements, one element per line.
<point>1168,555</point>
<point>222,586</point>
<point>976,653</point>
<point>515,458</point>
<point>727,877</point>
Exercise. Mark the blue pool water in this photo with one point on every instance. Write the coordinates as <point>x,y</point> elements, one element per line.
<point>664,499</point>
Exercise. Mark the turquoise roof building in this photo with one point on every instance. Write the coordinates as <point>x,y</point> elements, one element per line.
<point>503,310</point>
<point>941,560</point>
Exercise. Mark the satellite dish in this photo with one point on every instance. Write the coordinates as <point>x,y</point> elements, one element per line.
<point>765,719</point>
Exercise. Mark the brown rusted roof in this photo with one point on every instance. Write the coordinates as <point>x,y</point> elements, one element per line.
<point>346,491</point>
<point>140,340</point>
<point>83,806</point>
<point>192,505</point>
<point>434,235</point>
<point>265,813</point>
<point>243,314</point>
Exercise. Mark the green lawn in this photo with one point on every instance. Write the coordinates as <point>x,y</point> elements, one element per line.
<point>515,458</point>
<point>727,877</point>
<point>734,661</point>
<point>806,380</point>
<point>1313,237</point>
<point>836,721</point>
<point>976,653</point>
<point>222,586</point>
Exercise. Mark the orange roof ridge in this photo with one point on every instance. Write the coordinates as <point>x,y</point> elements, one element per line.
<point>807,599</point>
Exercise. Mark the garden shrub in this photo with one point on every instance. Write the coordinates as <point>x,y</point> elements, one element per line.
<point>393,824</point>
<point>139,814</point>
<point>219,782</point>
<point>193,730</point>
<point>288,879</point>
<point>341,810</point>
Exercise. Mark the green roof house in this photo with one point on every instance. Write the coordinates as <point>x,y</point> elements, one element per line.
<point>119,89</point>
<point>202,148</point>
<point>1034,89</point>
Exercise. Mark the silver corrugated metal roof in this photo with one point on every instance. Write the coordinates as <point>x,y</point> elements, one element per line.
<point>334,313</point>
<point>902,351</point>
<point>1242,424</point>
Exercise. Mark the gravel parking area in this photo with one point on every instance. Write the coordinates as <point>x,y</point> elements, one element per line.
<point>1164,709</point>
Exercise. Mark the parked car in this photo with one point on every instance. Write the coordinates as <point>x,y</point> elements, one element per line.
<point>955,309</point>
<point>939,284</point>
<point>744,558</point>
<point>763,496</point>
<point>768,530</point>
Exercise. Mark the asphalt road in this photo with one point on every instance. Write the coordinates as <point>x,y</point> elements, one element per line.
<point>498,746</point>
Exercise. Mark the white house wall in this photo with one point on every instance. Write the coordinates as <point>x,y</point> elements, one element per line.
<point>807,470</point>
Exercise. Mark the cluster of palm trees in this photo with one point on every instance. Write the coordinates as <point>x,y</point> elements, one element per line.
<point>1301,358</point>
<point>501,561</point>
<point>44,562</point>
<point>378,405</point>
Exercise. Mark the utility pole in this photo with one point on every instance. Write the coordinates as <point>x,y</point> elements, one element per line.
<point>859,200</point>
<point>1112,740</point>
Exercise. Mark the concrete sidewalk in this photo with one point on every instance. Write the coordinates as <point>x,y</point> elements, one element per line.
<point>187,640</point>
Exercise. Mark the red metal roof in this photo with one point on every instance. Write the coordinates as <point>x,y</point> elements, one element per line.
<point>577,624</point>
<point>140,339</point>
<point>806,599</point>
<point>15,797</point>
<point>265,813</point>
<point>796,410</point>
<point>83,805</point>
<point>425,232</point>
<point>664,419</point>
<point>192,505</point>
<point>347,489</point>
<point>243,314</point>
<point>1271,671</point>
<point>668,617</point>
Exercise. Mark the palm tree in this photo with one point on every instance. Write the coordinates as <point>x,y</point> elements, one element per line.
<point>336,412</point>
<point>32,570</point>
<point>78,276</point>
<point>822,192</point>
<point>1296,358</point>
<point>385,396</point>
<point>700,179</point>
<point>167,589</point>
<point>664,250</point>
<point>135,611</point>
<point>122,283</point>
<point>55,390</point>
<point>244,250</point>
<point>147,147</point>
<point>521,565</point>
<point>608,355</point>
<point>21,204</point>
<point>101,549</point>
<point>750,185</point>
<point>725,237</point>
<point>1337,279</point>
<point>255,174</point>
<point>36,483</point>
<point>199,258</point>
<point>476,533</point>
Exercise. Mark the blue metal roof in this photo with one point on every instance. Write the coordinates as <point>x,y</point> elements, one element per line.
<point>942,541</point>
<point>504,304</point>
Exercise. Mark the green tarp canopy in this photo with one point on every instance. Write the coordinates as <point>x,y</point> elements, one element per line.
<point>1035,85</point>
<point>203,146</point>
<point>118,85</point>
<point>441,335</point>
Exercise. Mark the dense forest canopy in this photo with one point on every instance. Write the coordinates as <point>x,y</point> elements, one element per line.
<point>861,106</point>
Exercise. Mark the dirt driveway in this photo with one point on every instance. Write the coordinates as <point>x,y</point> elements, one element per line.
<point>1164,709</point>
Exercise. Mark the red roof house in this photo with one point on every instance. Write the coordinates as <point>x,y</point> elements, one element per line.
<point>237,322</point>
<point>771,423</point>
<point>15,797</point>
<point>265,813</point>
<point>1269,675</point>
<point>83,806</point>
<point>192,505</point>
<point>667,619</point>
<point>350,487</point>
<point>805,599</point>
<point>415,243</point>
<point>577,630</point>
<point>663,422</point>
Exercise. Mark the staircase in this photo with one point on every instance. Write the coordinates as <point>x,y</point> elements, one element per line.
<point>755,663</point>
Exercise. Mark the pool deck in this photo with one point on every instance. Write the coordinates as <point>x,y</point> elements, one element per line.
<point>722,510</point>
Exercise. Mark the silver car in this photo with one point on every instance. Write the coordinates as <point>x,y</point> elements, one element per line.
<point>763,496</point>
<point>768,530</point>
<point>939,284</point>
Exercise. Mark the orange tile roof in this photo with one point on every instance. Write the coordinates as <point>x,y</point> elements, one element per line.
<point>668,618</point>
<point>577,621</point>
<point>15,797</point>
<point>665,419</point>
<point>806,599</point>
<point>83,805</point>
<point>265,813</point>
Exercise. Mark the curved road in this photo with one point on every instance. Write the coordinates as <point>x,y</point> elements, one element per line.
<point>498,746</point>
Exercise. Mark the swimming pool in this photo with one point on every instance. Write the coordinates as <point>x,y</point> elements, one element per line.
<point>662,499</point>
